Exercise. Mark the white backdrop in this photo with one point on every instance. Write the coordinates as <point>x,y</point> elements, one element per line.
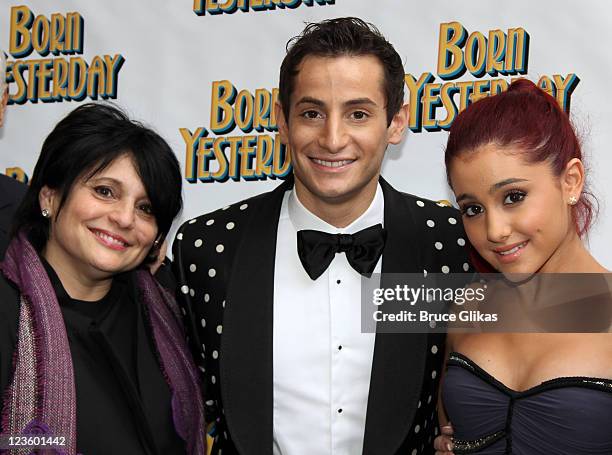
<point>172,56</point>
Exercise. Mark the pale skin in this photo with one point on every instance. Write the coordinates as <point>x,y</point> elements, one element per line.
<point>3,103</point>
<point>338,133</point>
<point>105,227</point>
<point>507,202</point>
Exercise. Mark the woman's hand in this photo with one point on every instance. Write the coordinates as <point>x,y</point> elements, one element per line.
<point>444,443</point>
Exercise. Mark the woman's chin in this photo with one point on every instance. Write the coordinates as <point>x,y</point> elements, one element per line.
<point>518,278</point>
<point>516,273</point>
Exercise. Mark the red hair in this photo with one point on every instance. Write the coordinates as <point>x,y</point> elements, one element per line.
<point>530,119</point>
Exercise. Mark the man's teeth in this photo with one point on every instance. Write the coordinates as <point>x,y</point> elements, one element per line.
<point>110,239</point>
<point>513,250</point>
<point>332,163</point>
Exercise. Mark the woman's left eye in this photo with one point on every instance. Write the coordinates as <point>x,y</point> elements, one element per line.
<point>514,197</point>
<point>104,191</point>
<point>146,208</point>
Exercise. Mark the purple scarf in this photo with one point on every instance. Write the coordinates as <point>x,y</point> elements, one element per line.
<point>41,396</point>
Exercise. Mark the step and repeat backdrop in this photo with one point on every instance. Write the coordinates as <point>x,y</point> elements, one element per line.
<point>204,73</point>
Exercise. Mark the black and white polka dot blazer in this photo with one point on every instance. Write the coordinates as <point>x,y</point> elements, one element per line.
<point>224,266</point>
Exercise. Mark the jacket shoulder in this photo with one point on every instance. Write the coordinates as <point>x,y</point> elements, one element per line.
<point>433,214</point>
<point>440,231</point>
<point>213,237</point>
<point>230,217</point>
<point>12,186</point>
<point>426,206</point>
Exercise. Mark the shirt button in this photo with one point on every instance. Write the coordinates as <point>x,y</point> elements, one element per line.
<point>340,411</point>
<point>338,281</point>
<point>340,348</point>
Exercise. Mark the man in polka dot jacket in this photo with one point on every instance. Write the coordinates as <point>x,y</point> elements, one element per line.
<point>286,369</point>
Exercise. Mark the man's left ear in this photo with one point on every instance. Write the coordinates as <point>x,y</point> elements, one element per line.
<point>398,125</point>
<point>572,180</point>
<point>281,122</point>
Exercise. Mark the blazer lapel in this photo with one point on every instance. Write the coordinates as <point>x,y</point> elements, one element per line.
<point>399,358</point>
<point>246,343</point>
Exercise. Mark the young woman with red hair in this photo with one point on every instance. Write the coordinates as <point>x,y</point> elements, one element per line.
<point>516,168</point>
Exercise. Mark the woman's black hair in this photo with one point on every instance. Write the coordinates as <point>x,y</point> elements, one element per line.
<point>84,143</point>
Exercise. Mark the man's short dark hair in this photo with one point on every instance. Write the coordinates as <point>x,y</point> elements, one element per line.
<point>346,36</point>
<point>85,142</point>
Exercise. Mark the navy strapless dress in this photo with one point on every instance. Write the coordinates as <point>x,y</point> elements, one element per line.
<point>567,416</point>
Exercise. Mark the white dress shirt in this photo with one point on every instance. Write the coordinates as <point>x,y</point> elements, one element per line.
<point>322,361</point>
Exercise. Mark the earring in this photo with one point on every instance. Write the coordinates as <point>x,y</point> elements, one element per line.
<point>45,213</point>
<point>572,200</point>
<point>156,243</point>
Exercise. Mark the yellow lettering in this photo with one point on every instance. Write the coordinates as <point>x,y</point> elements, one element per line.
<point>416,88</point>
<point>221,172</point>
<point>565,87</point>
<point>498,86</point>
<point>480,90</point>
<point>431,100</point>
<point>516,52</point>
<point>221,112</point>
<point>20,43</point>
<point>17,173</point>
<point>243,110</point>
<point>205,150</point>
<point>17,70</point>
<point>191,146</point>
<point>281,168</point>
<point>476,54</point>
<point>60,78</point>
<point>44,74</point>
<point>495,52</point>
<point>246,151</point>
<point>465,88</point>
<point>446,95</point>
<point>77,82</point>
<point>261,117</point>
<point>58,25</point>
<point>234,143</point>
<point>265,149</point>
<point>450,57</point>
<point>96,78</point>
<point>74,33</point>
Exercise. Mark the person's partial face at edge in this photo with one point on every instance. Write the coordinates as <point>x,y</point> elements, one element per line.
<point>337,127</point>
<point>4,94</point>
<point>106,225</point>
<point>516,214</point>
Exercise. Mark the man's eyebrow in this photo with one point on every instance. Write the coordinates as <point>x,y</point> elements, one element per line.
<point>360,101</point>
<point>349,103</point>
<point>310,100</point>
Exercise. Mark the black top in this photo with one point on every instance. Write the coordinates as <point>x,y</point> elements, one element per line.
<point>123,400</point>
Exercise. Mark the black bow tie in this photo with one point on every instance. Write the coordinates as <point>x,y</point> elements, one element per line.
<point>363,249</point>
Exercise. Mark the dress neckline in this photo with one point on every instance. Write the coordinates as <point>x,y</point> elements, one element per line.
<point>603,384</point>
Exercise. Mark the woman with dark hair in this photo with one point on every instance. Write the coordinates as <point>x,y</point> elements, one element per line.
<point>516,168</point>
<point>92,351</point>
